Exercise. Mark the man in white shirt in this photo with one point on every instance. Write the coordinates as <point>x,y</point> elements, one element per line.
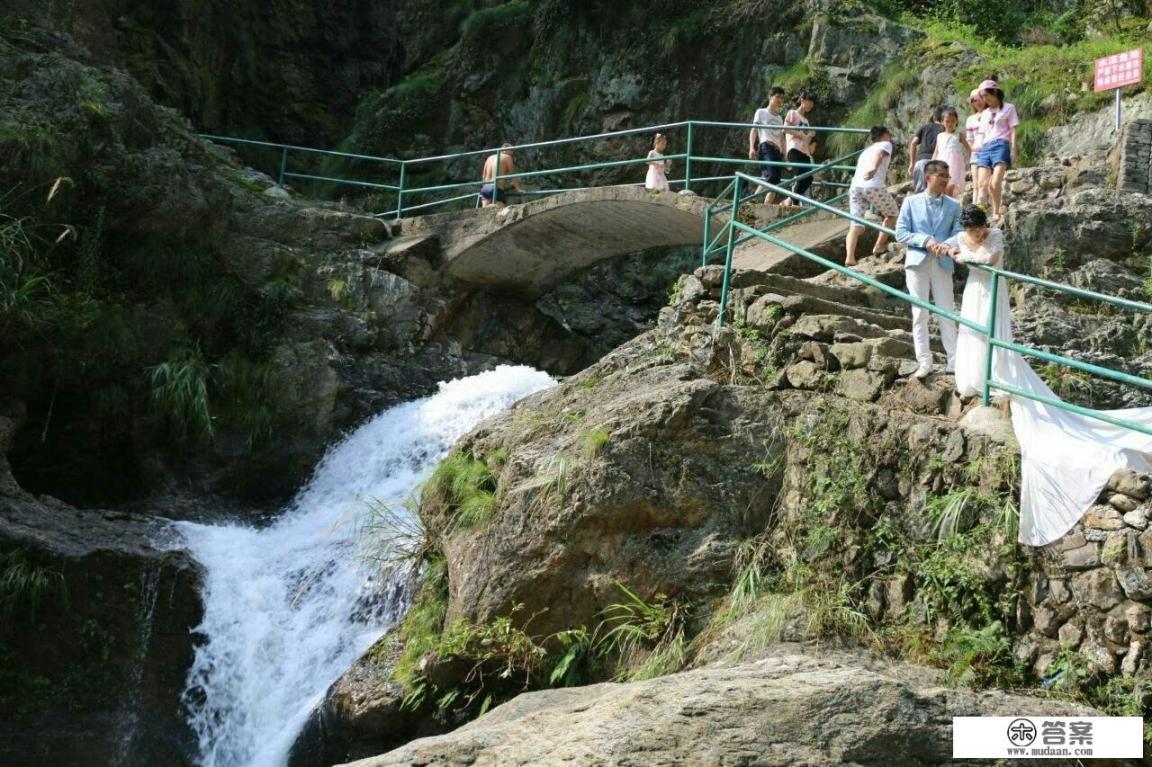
<point>870,187</point>
<point>766,144</point>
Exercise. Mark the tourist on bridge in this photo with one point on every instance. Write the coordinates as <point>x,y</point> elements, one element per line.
<point>928,224</point>
<point>495,194</point>
<point>657,177</point>
<point>870,187</point>
<point>922,148</point>
<point>799,142</point>
<point>766,143</point>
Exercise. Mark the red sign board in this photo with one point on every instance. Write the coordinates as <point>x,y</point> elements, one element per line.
<point>1119,69</point>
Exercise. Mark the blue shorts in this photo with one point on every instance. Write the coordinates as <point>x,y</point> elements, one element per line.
<point>994,153</point>
<point>486,193</point>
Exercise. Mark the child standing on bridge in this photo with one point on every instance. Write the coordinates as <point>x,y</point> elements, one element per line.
<point>657,178</point>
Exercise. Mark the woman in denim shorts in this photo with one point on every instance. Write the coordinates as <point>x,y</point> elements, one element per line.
<point>998,124</point>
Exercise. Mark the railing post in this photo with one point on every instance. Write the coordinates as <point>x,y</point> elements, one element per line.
<point>495,178</point>
<point>400,191</point>
<point>728,254</point>
<point>707,236</point>
<point>283,166</point>
<point>986,397</point>
<point>688,160</point>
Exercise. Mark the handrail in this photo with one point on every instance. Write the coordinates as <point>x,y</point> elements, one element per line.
<point>986,330</point>
<point>403,191</point>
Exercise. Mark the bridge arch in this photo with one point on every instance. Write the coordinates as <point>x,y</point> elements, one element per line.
<point>531,247</point>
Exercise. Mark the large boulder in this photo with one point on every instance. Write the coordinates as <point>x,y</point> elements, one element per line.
<point>787,709</point>
<point>96,638</point>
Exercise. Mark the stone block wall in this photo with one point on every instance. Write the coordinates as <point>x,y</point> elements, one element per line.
<point>1092,592</point>
<point>1134,173</point>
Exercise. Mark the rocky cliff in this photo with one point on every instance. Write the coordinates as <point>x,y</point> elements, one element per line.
<point>708,493</point>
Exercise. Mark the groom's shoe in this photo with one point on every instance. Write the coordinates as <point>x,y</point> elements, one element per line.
<point>923,371</point>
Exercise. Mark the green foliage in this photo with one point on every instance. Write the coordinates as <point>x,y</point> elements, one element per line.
<point>578,661</point>
<point>593,441</point>
<point>485,20</point>
<point>1069,383</point>
<point>1148,282</point>
<point>1044,81</point>
<point>180,395</point>
<point>420,630</point>
<point>896,79</point>
<point>26,586</point>
<point>646,638</point>
<point>980,657</point>
<point>394,539</point>
<point>464,486</point>
<point>591,382</point>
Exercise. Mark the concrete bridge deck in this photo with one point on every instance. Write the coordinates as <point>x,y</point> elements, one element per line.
<point>531,247</point>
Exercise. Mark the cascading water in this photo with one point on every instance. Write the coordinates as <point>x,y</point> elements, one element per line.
<point>289,607</point>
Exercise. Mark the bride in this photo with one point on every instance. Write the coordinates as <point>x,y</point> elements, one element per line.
<point>1066,458</point>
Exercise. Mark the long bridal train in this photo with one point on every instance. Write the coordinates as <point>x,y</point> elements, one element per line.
<point>1065,458</point>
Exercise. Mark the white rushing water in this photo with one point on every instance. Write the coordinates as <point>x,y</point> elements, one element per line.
<point>289,607</point>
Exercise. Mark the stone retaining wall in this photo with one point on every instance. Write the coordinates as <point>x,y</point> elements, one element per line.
<point>1093,590</point>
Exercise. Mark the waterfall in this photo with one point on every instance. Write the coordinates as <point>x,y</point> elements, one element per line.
<point>289,607</point>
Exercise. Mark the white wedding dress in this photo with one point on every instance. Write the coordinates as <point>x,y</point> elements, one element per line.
<point>1065,458</point>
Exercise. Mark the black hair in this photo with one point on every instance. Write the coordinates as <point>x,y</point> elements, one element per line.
<point>938,114</point>
<point>805,96</point>
<point>935,168</point>
<point>973,215</point>
<point>948,110</point>
<point>877,132</point>
<point>776,90</point>
<point>998,92</point>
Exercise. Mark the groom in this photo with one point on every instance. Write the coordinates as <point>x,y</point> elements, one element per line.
<point>928,225</point>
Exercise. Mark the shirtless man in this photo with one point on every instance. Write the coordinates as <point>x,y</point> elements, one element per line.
<point>507,168</point>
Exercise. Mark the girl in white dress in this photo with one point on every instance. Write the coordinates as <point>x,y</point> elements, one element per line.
<point>656,178</point>
<point>1066,458</point>
<point>951,147</point>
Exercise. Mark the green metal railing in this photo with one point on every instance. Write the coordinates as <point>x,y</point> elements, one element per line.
<point>397,174</point>
<point>986,330</point>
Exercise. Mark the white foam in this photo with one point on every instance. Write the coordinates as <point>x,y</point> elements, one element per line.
<point>289,607</point>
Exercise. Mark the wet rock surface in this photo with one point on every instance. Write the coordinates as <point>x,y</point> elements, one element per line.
<point>94,660</point>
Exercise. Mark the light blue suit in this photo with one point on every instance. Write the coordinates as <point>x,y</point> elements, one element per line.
<point>929,276</point>
<point>920,220</point>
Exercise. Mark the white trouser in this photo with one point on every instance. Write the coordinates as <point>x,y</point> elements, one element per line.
<point>924,279</point>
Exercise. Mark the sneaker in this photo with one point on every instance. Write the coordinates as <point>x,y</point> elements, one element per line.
<point>923,371</point>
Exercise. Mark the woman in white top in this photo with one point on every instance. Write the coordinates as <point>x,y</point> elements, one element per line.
<point>975,135</point>
<point>657,179</point>
<point>798,142</point>
<point>1066,458</point>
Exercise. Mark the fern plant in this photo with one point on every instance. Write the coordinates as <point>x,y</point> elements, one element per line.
<point>180,395</point>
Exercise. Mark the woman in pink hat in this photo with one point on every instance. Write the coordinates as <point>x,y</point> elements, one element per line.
<point>975,138</point>
<point>998,124</point>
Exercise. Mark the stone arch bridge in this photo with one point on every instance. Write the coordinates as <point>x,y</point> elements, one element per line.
<point>527,249</point>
